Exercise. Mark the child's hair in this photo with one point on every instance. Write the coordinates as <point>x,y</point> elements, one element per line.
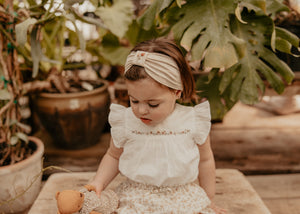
<point>169,48</point>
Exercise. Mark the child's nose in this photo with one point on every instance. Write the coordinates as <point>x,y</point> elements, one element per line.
<point>143,109</point>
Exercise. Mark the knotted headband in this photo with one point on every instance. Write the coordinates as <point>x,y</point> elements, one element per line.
<point>160,67</point>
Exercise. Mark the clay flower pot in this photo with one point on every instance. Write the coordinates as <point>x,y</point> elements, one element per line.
<point>74,120</point>
<point>22,177</point>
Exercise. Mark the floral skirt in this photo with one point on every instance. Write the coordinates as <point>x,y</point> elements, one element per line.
<point>182,199</point>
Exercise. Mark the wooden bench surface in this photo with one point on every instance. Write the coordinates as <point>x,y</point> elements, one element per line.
<point>233,192</point>
<point>280,193</point>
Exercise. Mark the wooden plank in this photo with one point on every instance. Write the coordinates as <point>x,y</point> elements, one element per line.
<point>233,192</point>
<point>257,151</point>
<point>281,193</point>
<point>256,141</point>
<point>243,116</point>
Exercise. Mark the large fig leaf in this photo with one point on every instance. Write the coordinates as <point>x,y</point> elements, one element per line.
<point>203,28</point>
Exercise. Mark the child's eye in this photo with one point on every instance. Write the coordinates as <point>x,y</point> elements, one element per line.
<point>153,106</point>
<point>134,101</point>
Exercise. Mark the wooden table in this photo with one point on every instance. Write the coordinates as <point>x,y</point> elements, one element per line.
<point>233,192</point>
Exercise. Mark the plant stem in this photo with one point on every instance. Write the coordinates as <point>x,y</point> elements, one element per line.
<point>3,31</point>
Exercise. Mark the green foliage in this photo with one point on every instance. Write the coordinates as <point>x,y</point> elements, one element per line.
<point>236,37</point>
<point>258,61</point>
<point>240,37</point>
<point>203,29</point>
<point>208,87</point>
<point>150,18</point>
<point>111,50</point>
<point>117,17</point>
<point>236,40</point>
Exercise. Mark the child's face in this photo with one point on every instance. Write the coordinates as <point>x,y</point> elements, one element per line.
<point>150,101</point>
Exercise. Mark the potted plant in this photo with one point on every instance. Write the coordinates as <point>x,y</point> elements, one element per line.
<point>20,155</point>
<point>74,117</point>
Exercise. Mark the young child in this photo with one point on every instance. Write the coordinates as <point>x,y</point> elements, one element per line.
<point>160,146</point>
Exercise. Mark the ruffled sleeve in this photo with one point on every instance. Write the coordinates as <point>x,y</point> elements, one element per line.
<point>116,119</point>
<point>202,122</point>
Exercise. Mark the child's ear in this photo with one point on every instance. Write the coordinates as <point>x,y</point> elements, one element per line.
<point>178,94</point>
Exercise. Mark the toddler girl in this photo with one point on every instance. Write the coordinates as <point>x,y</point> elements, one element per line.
<point>160,146</point>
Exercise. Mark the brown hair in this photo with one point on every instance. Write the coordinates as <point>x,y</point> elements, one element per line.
<point>169,48</point>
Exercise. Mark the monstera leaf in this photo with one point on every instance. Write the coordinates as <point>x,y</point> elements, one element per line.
<point>203,28</point>
<point>245,79</point>
<point>208,87</point>
<point>146,21</point>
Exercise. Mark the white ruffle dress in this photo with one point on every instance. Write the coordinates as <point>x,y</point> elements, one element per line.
<point>161,162</point>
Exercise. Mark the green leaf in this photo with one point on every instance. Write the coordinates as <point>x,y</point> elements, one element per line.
<point>227,77</point>
<point>251,83</point>
<point>14,140</point>
<point>117,17</point>
<point>244,80</point>
<point>238,15</point>
<point>283,45</point>
<point>22,136</point>
<point>146,21</point>
<point>271,76</point>
<point>115,55</point>
<point>82,42</point>
<point>37,54</point>
<point>278,65</point>
<point>258,6</point>
<point>203,28</point>
<point>207,87</point>
<point>136,34</point>
<point>24,127</point>
<point>288,36</point>
<point>274,7</point>
<point>22,29</point>
<point>246,83</point>
<point>18,136</point>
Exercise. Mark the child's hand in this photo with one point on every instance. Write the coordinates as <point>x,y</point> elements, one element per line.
<point>94,186</point>
<point>218,210</point>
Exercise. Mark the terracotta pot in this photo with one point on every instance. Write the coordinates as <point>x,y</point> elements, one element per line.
<point>74,120</point>
<point>16,178</point>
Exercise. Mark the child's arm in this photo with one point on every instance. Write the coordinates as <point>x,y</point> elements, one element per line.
<point>207,176</point>
<point>108,168</point>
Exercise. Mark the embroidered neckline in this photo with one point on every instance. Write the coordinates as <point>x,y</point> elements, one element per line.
<point>186,131</point>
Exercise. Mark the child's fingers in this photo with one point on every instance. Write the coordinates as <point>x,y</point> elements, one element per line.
<point>94,187</point>
<point>218,210</point>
